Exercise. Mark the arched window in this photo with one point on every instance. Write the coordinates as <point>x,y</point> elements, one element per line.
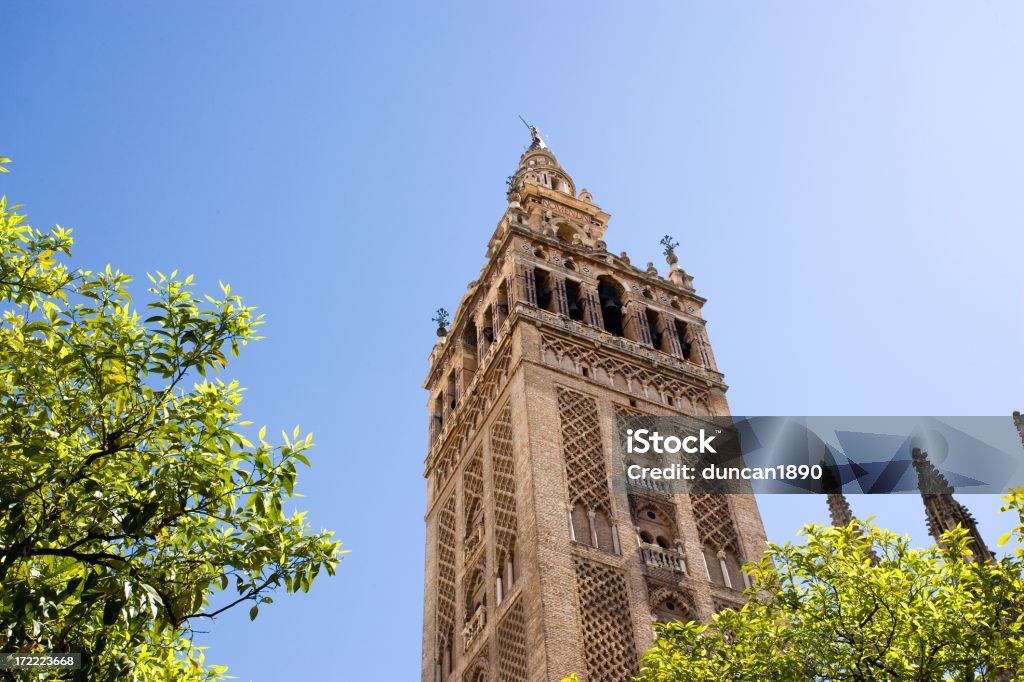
<point>655,528</point>
<point>500,308</point>
<point>574,299</point>
<point>603,531</point>
<point>444,658</point>
<point>729,566</point>
<point>545,290</point>
<point>506,574</point>
<point>566,232</point>
<point>653,326</point>
<point>471,351</point>
<point>611,295</point>
<point>437,418</point>
<point>671,606</point>
<point>469,336</point>
<point>486,331</point>
<point>476,593</point>
<point>474,517</point>
<point>684,341</point>
<point>723,567</point>
<point>453,394</point>
<point>579,522</point>
<point>510,567</point>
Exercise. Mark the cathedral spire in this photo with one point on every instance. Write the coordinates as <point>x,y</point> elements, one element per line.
<point>838,507</point>
<point>943,511</point>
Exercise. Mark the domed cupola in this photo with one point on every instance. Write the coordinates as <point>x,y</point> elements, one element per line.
<point>538,166</point>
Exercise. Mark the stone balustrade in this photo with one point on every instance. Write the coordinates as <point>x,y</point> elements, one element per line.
<point>475,626</point>
<point>663,558</point>
<point>473,542</point>
<point>649,485</point>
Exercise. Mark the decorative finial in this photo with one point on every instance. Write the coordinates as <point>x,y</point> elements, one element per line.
<point>670,249</point>
<point>669,244</point>
<point>441,317</point>
<point>512,186</point>
<point>537,143</point>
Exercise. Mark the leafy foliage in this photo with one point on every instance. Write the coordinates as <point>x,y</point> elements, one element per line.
<point>131,505</point>
<point>858,603</point>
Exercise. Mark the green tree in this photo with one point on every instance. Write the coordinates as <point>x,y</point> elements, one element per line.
<point>858,603</point>
<point>131,504</point>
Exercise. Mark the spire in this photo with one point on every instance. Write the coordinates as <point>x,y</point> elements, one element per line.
<point>542,198</point>
<point>538,166</point>
<point>943,511</point>
<point>838,507</point>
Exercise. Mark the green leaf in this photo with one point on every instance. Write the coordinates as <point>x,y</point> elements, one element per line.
<point>111,611</point>
<point>118,453</point>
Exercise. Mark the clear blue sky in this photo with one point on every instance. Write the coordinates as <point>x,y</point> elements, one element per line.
<point>845,180</point>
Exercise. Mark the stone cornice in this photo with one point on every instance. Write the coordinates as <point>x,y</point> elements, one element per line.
<point>577,331</point>
<point>574,332</point>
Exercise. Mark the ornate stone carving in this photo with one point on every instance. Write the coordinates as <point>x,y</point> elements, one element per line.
<point>561,352</point>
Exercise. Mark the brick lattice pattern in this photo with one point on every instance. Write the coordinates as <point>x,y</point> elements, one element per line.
<point>446,575</point>
<point>512,645</point>
<point>714,521</point>
<point>503,466</point>
<point>473,487</point>
<point>585,467</point>
<point>610,649</point>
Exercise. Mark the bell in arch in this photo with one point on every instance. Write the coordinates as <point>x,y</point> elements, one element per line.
<point>608,298</point>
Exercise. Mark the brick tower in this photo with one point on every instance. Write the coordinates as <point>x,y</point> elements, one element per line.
<point>534,568</point>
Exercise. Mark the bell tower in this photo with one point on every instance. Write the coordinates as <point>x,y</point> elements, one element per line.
<point>534,567</point>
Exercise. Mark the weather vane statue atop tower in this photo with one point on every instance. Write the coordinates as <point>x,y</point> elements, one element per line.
<point>537,143</point>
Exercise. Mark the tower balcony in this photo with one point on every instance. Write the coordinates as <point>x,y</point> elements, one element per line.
<point>663,558</point>
<point>474,541</point>
<point>647,485</point>
<point>475,626</point>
